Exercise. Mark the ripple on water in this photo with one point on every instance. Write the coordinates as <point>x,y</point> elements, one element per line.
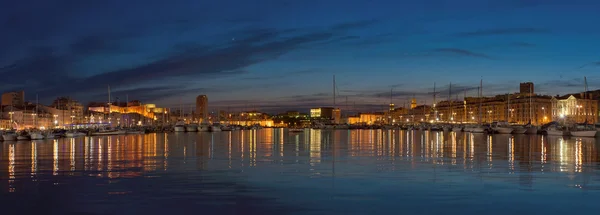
<point>319,172</point>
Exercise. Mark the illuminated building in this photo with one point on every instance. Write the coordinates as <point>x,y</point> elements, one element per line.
<point>575,108</point>
<point>322,112</point>
<point>368,119</point>
<point>202,107</point>
<point>337,116</point>
<point>71,108</point>
<point>13,98</point>
<point>125,114</point>
<point>251,118</point>
<point>25,117</point>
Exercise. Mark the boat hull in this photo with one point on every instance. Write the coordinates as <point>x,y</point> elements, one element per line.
<point>9,137</point>
<point>591,133</point>
<point>179,129</point>
<point>23,137</point>
<point>478,130</point>
<point>555,133</point>
<point>531,130</point>
<point>76,134</point>
<point>519,130</point>
<point>215,129</point>
<point>105,133</point>
<point>457,129</point>
<point>191,128</point>
<point>37,136</point>
<point>503,130</point>
<point>203,128</point>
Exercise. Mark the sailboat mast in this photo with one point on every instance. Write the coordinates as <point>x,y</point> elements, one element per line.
<point>450,115</point>
<point>508,107</point>
<point>433,105</point>
<point>480,94</point>
<point>333,91</point>
<point>530,104</point>
<point>585,97</point>
<point>37,101</point>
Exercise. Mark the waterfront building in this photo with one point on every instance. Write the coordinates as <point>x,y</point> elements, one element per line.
<point>25,117</point>
<point>13,98</point>
<point>322,112</point>
<point>73,108</point>
<point>575,108</point>
<point>127,114</point>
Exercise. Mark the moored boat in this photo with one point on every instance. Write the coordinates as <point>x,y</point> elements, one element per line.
<point>36,135</point>
<point>192,127</point>
<point>179,126</point>
<point>74,133</point>
<point>108,131</point>
<point>9,136</point>
<point>519,129</point>
<point>584,133</point>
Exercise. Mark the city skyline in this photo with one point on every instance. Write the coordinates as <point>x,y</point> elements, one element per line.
<point>282,55</point>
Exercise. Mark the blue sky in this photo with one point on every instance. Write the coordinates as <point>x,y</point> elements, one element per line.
<point>267,53</point>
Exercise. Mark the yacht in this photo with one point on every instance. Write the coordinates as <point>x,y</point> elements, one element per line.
<point>23,136</point>
<point>226,128</point>
<point>214,128</point>
<point>204,127</point>
<point>584,131</point>
<point>108,131</point>
<point>457,129</point>
<point>502,128</point>
<point>74,133</point>
<point>49,135</point>
<point>556,131</point>
<point>179,126</point>
<point>36,135</point>
<point>192,127</point>
<point>9,136</point>
<point>517,129</point>
<point>530,129</point>
<point>477,129</point>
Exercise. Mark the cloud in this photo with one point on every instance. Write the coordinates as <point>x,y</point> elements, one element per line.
<point>461,52</point>
<point>200,62</point>
<point>503,31</point>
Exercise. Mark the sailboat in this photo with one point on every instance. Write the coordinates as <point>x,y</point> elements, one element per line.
<point>530,128</point>
<point>36,134</point>
<point>479,128</point>
<point>180,124</point>
<point>503,127</point>
<point>584,130</point>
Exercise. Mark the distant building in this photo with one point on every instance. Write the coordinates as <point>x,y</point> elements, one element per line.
<point>202,107</point>
<point>322,112</point>
<point>526,88</point>
<point>13,98</point>
<point>337,116</point>
<point>413,103</point>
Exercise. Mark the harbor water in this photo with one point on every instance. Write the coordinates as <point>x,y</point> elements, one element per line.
<point>273,171</point>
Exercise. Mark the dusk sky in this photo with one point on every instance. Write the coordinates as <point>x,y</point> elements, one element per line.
<point>282,53</point>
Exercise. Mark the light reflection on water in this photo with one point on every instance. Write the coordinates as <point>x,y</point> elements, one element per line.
<point>319,171</point>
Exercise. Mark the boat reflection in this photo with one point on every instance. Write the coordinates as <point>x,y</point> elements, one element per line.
<point>315,151</point>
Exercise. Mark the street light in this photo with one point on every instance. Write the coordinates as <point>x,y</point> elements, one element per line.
<point>544,109</point>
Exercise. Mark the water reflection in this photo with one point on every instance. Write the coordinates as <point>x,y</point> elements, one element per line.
<point>291,157</point>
